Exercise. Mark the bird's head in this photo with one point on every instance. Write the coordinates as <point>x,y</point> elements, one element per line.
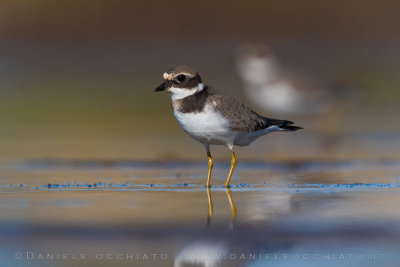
<point>181,81</point>
<point>256,64</point>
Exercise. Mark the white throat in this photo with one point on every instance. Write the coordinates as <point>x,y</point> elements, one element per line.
<point>180,93</point>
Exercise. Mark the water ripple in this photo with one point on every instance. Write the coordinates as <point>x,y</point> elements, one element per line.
<point>198,187</point>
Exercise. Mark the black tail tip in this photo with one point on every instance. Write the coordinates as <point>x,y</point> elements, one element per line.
<point>290,128</point>
<point>286,122</point>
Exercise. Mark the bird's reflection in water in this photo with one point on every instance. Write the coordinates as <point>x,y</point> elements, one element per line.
<point>210,207</point>
<point>207,252</point>
<point>231,203</point>
<point>214,247</point>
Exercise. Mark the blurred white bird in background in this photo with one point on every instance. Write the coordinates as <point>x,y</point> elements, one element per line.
<point>278,90</point>
<point>317,105</point>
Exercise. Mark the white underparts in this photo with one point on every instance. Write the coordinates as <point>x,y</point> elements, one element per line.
<point>207,126</point>
<point>245,138</point>
<point>210,127</point>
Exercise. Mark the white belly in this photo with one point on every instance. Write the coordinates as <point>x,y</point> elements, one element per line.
<point>245,138</point>
<point>207,127</point>
<point>210,127</point>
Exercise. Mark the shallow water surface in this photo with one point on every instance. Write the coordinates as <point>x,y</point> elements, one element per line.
<point>138,213</point>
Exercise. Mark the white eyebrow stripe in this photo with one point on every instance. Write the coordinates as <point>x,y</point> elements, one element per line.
<point>185,73</point>
<point>170,76</point>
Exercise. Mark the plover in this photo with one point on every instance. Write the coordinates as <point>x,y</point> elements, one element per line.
<point>213,117</point>
<point>278,90</point>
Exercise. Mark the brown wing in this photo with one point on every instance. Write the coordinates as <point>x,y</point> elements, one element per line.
<point>241,117</point>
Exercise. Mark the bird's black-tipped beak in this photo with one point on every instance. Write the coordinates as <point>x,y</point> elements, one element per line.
<point>161,87</point>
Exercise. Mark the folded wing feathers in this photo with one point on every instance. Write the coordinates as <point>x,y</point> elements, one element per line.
<point>283,124</point>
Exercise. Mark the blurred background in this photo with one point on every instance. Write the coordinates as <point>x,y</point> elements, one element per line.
<point>93,160</point>
<point>77,77</point>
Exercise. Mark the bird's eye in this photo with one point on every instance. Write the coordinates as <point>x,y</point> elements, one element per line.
<point>181,78</point>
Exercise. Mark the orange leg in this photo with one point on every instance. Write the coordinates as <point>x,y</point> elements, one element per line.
<point>232,204</point>
<point>233,164</point>
<point>210,206</point>
<point>210,166</point>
